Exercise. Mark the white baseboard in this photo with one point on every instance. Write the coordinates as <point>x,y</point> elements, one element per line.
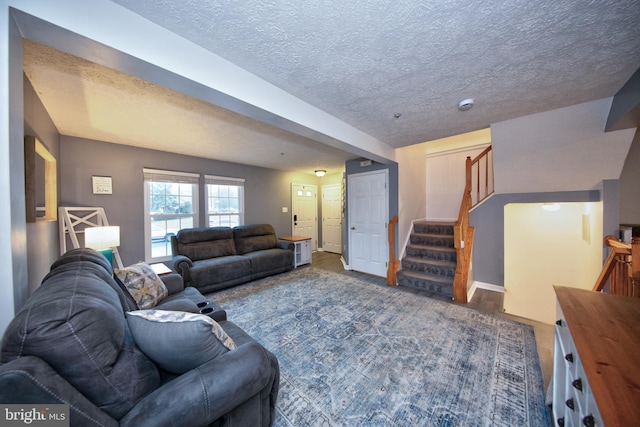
<point>481,285</point>
<point>488,286</point>
<point>470,291</point>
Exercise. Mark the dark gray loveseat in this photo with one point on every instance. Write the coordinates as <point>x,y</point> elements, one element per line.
<point>215,258</point>
<point>72,343</point>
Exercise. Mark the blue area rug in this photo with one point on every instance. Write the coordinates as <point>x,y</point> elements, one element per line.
<point>357,354</point>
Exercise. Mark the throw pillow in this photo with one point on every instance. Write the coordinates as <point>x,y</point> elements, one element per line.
<point>178,341</point>
<point>143,284</point>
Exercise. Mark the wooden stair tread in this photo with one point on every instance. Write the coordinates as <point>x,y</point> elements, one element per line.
<point>443,223</point>
<point>446,236</point>
<point>431,247</point>
<point>430,261</point>
<point>426,276</point>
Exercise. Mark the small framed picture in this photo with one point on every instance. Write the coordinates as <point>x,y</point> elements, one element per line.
<point>102,185</point>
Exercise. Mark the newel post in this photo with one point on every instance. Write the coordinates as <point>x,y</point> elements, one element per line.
<point>635,267</point>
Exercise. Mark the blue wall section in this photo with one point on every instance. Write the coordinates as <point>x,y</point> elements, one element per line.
<point>488,220</point>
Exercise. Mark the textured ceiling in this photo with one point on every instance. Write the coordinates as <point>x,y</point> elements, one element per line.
<point>95,102</point>
<point>361,61</point>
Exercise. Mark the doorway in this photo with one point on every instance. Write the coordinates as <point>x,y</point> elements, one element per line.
<point>368,197</point>
<point>304,213</point>
<point>332,218</point>
<point>547,244</point>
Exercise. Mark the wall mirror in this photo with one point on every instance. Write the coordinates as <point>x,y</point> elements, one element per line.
<point>41,189</point>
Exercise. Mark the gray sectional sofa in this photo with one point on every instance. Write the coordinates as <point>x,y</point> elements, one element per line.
<point>215,258</point>
<point>80,341</point>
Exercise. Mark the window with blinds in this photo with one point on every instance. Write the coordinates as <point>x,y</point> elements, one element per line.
<point>171,204</point>
<point>225,201</point>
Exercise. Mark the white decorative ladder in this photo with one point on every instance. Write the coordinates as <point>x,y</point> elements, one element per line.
<point>73,221</point>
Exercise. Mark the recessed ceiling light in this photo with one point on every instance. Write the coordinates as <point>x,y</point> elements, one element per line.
<point>465,104</point>
<point>550,207</point>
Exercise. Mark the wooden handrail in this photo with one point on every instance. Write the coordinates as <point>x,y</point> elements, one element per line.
<point>462,230</point>
<point>463,241</point>
<point>621,269</point>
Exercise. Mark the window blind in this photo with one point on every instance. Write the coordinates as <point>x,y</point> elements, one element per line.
<point>221,180</point>
<point>157,175</point>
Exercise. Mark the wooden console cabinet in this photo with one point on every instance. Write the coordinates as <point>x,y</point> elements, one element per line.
<point>302,252</point>
<point>596,369</point>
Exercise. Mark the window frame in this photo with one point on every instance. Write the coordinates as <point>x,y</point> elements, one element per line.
<point>171,177</point>
<point>221,180</point>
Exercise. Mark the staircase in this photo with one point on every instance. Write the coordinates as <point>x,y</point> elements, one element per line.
<point>430,260</point>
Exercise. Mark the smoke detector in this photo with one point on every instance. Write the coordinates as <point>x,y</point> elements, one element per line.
<point>465,104</point>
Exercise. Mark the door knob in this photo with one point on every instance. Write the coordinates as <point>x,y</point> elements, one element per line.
<point>353,228</point>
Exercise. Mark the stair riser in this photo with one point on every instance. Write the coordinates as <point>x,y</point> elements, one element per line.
<point>422,228</point>
<point>426,285</point>
<point>432,240</point>
<point>422,267</point>
<point>430,254</point>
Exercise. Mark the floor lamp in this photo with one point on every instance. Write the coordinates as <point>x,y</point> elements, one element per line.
<point>102,239</point>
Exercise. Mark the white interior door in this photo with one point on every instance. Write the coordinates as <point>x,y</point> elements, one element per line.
<point>368,217</point>
<point>305,212</point>
<point>332,218</point>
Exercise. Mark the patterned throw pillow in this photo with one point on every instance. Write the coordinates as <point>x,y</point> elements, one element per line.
<point>143,284</point>
<point>178,341</point>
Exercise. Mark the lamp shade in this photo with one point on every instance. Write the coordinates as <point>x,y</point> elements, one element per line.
<point>100,238</point>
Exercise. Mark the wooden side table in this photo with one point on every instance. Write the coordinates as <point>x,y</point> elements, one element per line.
<point>302,251</point>
<point>161,269</point>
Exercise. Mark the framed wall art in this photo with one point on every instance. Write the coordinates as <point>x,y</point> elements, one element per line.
<point>102,184</point>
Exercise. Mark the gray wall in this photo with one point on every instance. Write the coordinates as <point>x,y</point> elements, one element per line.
<point>488,220</point>
<point>629,185</point>
<point>13,243</point>
<point>42,236</point>
<point>267,191</point>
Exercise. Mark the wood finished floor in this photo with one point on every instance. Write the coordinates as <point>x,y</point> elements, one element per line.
<point>483,300</point>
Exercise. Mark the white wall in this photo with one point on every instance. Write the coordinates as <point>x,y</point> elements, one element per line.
<point>543,249</point>
<point>559,150</point>
<point>412,190</point>
<point>446,174</point>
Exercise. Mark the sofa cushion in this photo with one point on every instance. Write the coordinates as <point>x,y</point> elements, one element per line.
<point>269,261</point>
<point>219,270</point>
<point>75,323</point>
<point>178,341</point>
<point>254,237</point>
<point>204,243</point>
<point>144,285</point>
